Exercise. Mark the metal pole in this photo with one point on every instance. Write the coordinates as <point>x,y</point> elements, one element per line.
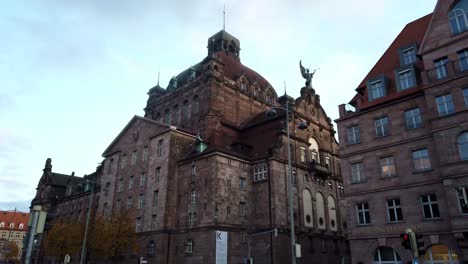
<point>82,259</point>
<point>31,235</point>
<point>291,204</point>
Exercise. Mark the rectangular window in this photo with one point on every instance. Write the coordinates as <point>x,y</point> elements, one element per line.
<point>141,201</point>
<point>421,159</point>
<point>157,176</point>
<point>123,163</point>
<point>145,153</point>
<point>142,180</point>
<point>260,172</point>
<point>243,237</point>
<point>155,198</point>
<point>131,182</point>
<point>377,90</point>
<point>363,216</point>
<point>394,210</point>
<point>120,185</point>
<point>192,219</point>
<point>242,209</point>
<point>413,118</point>
<point>408,55</point>
<point>353,135</point>
<point>109,168</point>
<point>430,206</point>
<point>153,222</point>
<point>463,199</point>
<point>159,148</point>
<point>303,154</point>
<point>242,184</point>
<point>387,166</point>
<point>445,104</point>
<point>406,79</point>
<point>129,202</point>
<point>441,67</point>
<point>134,157</point>
<point>357,172</point>
<point>381,126</point>
<point>104,209</point>
<point>107,188</point>
<point>138,225</point>
<point>327,162</point>
<point>465,96</point>
<point>118,205</point>
<point>463,59</point>
<point>189,246</point>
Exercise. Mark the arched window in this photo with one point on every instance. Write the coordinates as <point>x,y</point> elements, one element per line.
<point>320,211</point>
<point>440,254</point>
<point>175,114</point>
<point>332,213</point>
<point>314,151</point>
<point>458,17</point>
<point>185,112</point>
<point>12,225</point>
<point>463,145</point>
<point>21,226</point>
<point>308,208</point>
<point>386,255</point>
<point>196,104</point>
<point>167,116</point>
<point>2,224</point>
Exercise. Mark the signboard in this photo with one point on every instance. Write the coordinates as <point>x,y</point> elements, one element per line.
<point>221,247</point>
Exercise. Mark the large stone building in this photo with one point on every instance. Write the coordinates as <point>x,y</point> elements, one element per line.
<point>206,168</point>
<point>404,149</point>
<point>13,228</point>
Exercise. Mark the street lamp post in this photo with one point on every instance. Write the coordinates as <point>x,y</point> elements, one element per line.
<point>272,112</point>
<point>83,248</point>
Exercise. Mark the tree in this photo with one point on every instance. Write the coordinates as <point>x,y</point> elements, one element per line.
<point>112,236</point>
<point>63,239</point>
<point>10,252</point>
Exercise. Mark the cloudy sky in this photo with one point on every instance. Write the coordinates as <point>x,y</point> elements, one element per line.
<point>73,73</point>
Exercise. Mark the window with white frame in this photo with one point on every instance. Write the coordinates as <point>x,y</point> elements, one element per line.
<point>462,141</point>
<point>353,135</point>
<point>465,96</point>
<point>463,59</point>
<point>153,222</point>
<point>408,55</point>
<point>123,163</point>
<point>138,224</point>
<point>193,196</point>
<point>381,126</point>
<point>441,68</point>
<point>242,209</point>
<point>462,193</point>
<point>458,18</point>
<point>303,154</point>
<point>12,225</point>
<point>445,104</point>
<point>129,202</point>
<point>386,255</point>
<point>21,226</point>
<point>394,211</point>
<point>376,90</point>
<point>196,104</point>
<point>145,153</point>
<point>357,172</point>
<point>421,159</point>
<point>260,172</point>
<point>131,181</point>
<point>189,246</point>
<point>155,198</point>
<point>118,205</point>
<point>192,219</point>
<point>242,184</point>
<point>430,206</point>
<point>159,148</point>
<point>141,201</point>
<point>134,157</point>
<point>157,174</point>
<point>413,118</point>
<point>142,179</point>
<point>120,185</point>
<point>387,166</point>
<point>406,79</point>
<point>363,215</point>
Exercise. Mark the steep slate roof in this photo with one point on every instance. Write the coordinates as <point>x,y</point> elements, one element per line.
<point>413,32</point>
<point>14,217</point>
<point>59,179</point>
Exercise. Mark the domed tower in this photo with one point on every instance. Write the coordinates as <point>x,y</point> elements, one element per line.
<point>223,41</point>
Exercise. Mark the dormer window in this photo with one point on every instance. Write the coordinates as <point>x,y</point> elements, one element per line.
<point>12,225</point>
<point>2,224</point>
<point>21,226</point>
<point>242,86</point>
<point>408,54</point>
<point>458,17</point>
<point>405,77</point>
<point>376,88</point>
<point>192,75</point>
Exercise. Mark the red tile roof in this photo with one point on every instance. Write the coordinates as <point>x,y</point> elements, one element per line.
<point>15,217</point>
<point>412,33</point>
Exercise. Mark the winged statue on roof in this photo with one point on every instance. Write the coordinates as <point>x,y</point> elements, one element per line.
<point>307,74</point>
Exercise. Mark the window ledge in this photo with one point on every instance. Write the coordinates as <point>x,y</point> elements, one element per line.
<point>383,136</point>
<point>395,222</point>
<point>358,182</point>
<point>388,177</point>
<point>433,219</point>
<point>422,171</point>
<point>363,225</point>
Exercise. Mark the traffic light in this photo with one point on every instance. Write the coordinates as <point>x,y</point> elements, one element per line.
<point>419,245</point>
<point>406,243</point>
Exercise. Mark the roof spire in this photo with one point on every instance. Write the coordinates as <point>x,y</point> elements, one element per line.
<point>285,88</point>
<point>224,17</point>
<point>158,77</point>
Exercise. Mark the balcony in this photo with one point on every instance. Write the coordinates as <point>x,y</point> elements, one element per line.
<point>446,71</point>
<point>320,170</point>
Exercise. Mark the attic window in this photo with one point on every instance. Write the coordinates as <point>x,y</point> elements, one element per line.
<point>376,87</point>
<point>21,226</point>
<point>193,74</point>
<point>458,17</point>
